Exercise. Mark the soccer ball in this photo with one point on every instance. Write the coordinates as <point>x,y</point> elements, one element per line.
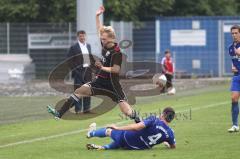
<point>159,79</point>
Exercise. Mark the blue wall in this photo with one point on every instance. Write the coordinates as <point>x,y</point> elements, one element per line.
<point>185,54</point>
<point>145,44</point>
<point>208,55</point>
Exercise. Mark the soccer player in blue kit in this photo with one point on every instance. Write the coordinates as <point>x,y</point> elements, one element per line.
<point>234,52</point>
<point>138,136</point>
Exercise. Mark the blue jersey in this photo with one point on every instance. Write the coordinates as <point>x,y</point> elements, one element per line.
<point>235,58</point>
<point>155,132</point>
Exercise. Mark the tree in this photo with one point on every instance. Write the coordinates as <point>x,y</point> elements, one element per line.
<point>64,11</point>
<point>18,11</point>
<point>126,10</point>
<point>151,8</point>
<point>135,10</point>
<point>37,10</point>
<point>225,7</point>
<point>204,8</point>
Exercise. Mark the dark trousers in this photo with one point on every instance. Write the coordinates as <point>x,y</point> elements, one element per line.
<point>82,76</point>
<point>169,80</point>
<point>168,84</point>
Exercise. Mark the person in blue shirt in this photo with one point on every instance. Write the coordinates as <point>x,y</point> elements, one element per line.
<point>234,52</point>
<point>139,136</point>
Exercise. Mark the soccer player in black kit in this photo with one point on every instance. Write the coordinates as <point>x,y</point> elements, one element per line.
<point>107,80</point>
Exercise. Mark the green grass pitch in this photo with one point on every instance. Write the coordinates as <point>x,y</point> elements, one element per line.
<point>28,132</point>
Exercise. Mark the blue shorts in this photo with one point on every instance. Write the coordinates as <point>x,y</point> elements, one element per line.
<point>119,141</point>
<point>117,136</point>
<point>235,87</point>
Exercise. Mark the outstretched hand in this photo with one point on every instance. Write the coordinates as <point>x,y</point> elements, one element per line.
<point>100,10</point>
<point>112,126</point>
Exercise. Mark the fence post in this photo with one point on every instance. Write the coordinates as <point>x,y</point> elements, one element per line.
<point>157,44</point>
<point>28,31</point>
<point>174,64</point>
<point>69,43</point>
<point>220,49</point>
<point>8,38</point>
<point>69,33</point>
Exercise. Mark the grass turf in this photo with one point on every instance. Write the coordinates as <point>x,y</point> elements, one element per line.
<point>204,135</point>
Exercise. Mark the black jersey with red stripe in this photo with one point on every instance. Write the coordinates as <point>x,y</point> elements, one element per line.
<point>110,56</point>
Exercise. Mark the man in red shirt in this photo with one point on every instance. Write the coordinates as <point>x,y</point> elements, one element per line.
<point>167,70</point>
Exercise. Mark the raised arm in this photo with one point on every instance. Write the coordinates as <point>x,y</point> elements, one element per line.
<point>98,13</point>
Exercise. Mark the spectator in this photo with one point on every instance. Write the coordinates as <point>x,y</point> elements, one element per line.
<point>167,70</point>
<point>81,71</point>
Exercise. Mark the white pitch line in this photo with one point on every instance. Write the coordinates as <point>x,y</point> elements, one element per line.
<point>82,130</point>
<point>207,106</point>
<point>43,138</point>
<point>49,137</point>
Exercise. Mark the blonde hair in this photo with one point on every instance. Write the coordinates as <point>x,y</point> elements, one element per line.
<point>109,30</point>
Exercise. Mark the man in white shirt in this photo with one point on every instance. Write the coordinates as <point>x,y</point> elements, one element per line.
<point>80,66</point>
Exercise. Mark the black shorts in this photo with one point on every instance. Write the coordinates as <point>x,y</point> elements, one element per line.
<point>106,87</point>
<point>169,80</point>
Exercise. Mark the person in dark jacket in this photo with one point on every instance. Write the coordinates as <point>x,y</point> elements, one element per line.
<point>80,65</point>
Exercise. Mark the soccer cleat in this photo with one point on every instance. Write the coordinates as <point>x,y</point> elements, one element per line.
<point>135,116</point>
<point>53,112</point>
<point>92,127</point>
<point>94,147</point>
<point>137,119</point>
<point>234,128</point>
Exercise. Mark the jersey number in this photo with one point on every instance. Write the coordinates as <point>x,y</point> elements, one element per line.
<point>154,138</point>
